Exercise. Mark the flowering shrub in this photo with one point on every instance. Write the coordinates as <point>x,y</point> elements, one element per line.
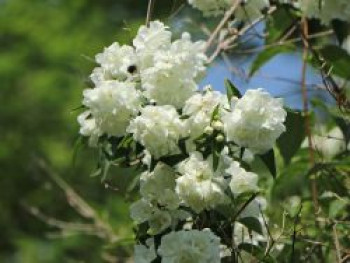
<point>188,142</point>
<point>200,198</point>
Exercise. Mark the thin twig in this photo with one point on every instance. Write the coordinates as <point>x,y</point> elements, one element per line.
<point>296,220</point>
<point>336,243</point>
<point>78,203</point>
<point>222,23</point>
<point>285,42</point>
<point>314,191</point>
<point>149,11</point>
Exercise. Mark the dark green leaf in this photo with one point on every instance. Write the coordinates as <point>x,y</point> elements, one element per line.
<point>339,59</point>
<point>291,140</point>
<point>172,160</point>
<point>341,29</point>
<point>278,24</point>
<point>266,55</point>
<point>336,207</point>
<point>231,90</point>
<point>182,145</point>
<point>269,160</point>
<point>216,158</point>
<point>134,183</point>
<point>252,223</point>
<point>256,252</point>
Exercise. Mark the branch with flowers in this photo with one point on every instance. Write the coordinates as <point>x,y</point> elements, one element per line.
<point>200,197</point>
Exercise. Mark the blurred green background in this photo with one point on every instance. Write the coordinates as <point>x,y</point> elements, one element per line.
<point>45,51</point>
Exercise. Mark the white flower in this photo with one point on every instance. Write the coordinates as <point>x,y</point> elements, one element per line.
<point>256,121</point>
<point>145,253</point>
<point>200,108</point>
<point>88,127</point>
<point>190,246</point>
<point>329,144</point>
<point>158,218</point>
<point>159,129</point>
<point>326,10</point>
<point>159,221</point>
<point>171,80</point>
<point>149,40</point>
<point>241,180</point>
<point>211,7</point>
<point>159,186</point>
<point>141,211</point>
<point>112,104</point>
<point>198,186</point>
<point>117,62</point>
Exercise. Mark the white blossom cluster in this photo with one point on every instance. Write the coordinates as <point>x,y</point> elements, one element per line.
<point>326,10</point>
<point>248,10</point>
<point>193,143</point>
<point>182,246</point>
<point>155,69</point>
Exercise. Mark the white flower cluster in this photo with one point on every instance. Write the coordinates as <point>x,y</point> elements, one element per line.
<point>154,69</point>
<point>191,143</point>
<point>326,10</point>
<point>182,246</point>
<point>247,9</point>
<point>199,187</point>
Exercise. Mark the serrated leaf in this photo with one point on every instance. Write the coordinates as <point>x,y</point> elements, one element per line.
<point>290,141</point>
<point>231,90</point>
<point>252,223</point>
<point>266,55</point>
<point>339,59</point>
<point>270,162</point>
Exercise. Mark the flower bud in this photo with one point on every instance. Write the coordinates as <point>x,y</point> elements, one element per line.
<point>220,138</point>
<point>208,130</point>
<point>217,125</point>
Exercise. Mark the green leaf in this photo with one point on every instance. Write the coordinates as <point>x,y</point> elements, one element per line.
<point>256,252</point>
<point>215,113</point>
<point>341,29</point>
<point>291,140</point>
<point>339,59</point>
<point>252,223</point>
<point>172,160</point>
<point>266,55</point>
<point>336,207</point>
<point>231,90</point>
<point>216,158</point>
<point>278,24</point>
<point>270,162</point>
